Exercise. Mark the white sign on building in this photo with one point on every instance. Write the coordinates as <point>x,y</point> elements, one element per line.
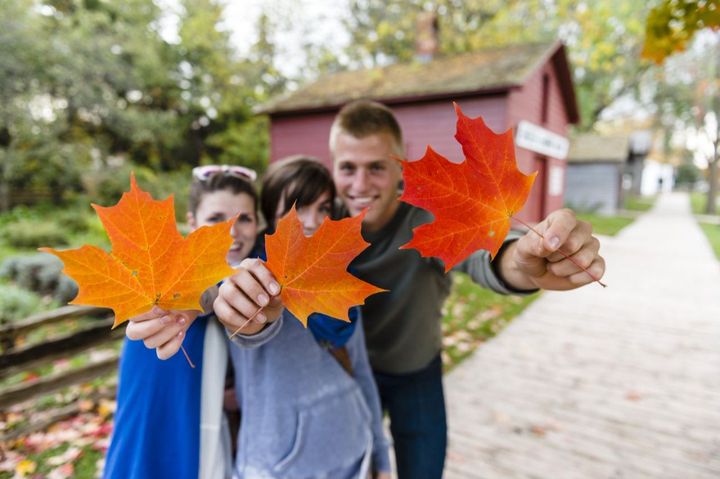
<point>556,180</point>
<point>541,140</point>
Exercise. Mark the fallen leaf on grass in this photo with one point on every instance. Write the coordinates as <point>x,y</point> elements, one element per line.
<point>63,472</point>
<point>25,467</point>
<point>70,455</point>
<point>86,405</point>
<point>106,408</point>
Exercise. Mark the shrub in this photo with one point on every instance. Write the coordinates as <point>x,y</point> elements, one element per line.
<point>74,221</point>
<point>17,303</point>
<point>33,234</point>
<point>105,187</point>
<point>41,273</point>
<point>19,213</point>
<point>65,290</point>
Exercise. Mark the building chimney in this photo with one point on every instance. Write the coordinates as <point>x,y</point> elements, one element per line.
<point>426,39</point>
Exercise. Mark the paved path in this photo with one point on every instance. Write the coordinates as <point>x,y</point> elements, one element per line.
<point>616,383</point>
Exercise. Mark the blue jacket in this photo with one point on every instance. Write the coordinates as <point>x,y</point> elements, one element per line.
<point>157,421</point>
<point>303,416</point>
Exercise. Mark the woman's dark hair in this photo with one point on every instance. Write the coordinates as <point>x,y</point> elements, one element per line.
<point>298,180</point>
<point>219,181</point>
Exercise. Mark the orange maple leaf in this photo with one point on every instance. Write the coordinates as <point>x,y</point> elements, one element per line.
<point>150,263</point>
<point>313,270</point>
<point>472,201</point>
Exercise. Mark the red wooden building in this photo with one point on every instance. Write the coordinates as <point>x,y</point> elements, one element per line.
<point>527,86</point>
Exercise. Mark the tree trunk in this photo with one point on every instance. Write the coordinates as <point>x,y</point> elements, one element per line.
<point>711,206</point>
<point>4,181</point>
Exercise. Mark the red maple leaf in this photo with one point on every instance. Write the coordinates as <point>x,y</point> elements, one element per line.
<point>472,201</point>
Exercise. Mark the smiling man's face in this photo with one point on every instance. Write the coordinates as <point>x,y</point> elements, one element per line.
<point>366,176</point>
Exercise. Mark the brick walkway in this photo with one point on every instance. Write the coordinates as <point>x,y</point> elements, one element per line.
<point>615,383</point>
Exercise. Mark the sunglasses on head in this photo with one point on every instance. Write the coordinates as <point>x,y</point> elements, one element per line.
<point>203,173</point>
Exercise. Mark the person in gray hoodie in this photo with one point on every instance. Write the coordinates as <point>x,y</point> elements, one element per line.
<point>310,407</point>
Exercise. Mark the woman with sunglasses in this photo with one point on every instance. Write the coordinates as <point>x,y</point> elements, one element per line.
<point>309,401</point>
<point>164,426</point>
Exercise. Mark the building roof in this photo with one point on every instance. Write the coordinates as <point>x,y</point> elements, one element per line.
<point>589,148</point>
<point>483,71</point>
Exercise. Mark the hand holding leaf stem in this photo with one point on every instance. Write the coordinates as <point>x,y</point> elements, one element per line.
<point>249,299</point>
<point>162,330</point>
<point>559,253</point>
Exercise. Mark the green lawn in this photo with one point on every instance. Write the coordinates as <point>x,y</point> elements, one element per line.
<point>605,225</point>
<point>699,200</point>
<point>638,203</point>
<point>473,315</point>
<point>712,232</point>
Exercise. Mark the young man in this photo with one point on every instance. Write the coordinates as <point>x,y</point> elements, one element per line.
<point>403,326</point>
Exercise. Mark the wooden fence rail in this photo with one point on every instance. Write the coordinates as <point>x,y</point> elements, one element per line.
<point>24,357</point>
<point>27,357</point>
<point>10,331</point>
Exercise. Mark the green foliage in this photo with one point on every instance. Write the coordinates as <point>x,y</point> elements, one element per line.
<point>75,225</point>
<point>87,87</point>
<point>72,220</point>
<point>34,234</point>
<point>671,25</point>
<point>18,303</point>
<point>687,175</point>
<point>21,213</point>
<point>107,187</point>
<point>246,144</point>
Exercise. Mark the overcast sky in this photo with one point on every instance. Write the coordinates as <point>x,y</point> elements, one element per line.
<point>295,21</point>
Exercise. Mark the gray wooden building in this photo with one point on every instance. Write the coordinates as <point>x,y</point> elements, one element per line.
<point>594,173</point>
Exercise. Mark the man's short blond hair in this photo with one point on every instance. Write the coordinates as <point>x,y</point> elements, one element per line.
<point>363,118</point>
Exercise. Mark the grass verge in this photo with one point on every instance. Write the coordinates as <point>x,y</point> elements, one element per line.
<point>605,225</point>
<point>638,203</point>
<point>698,201</point>
<point>472,315</point>
<point>712,233</point>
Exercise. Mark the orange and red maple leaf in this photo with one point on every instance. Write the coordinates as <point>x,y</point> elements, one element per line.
<point>150,263</point>
<point>472,201</point>
<point>313,270</point>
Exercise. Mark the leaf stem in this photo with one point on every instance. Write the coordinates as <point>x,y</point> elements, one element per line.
<point>597,280</point>
<point>187,356</point>
<point>245,323</point>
